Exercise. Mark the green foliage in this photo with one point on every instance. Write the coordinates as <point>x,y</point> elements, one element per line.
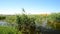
<point>25,23</point>
<point>7,30</point>
<point>24,19</point>
<point>54,19</point>
<point>11,19</point>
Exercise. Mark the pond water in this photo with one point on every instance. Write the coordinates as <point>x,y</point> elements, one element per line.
<point>3,23</point>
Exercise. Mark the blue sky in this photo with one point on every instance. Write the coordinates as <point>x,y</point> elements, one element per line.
<point>30,6</point>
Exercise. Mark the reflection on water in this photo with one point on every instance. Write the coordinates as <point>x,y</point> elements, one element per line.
<point>3,23</point>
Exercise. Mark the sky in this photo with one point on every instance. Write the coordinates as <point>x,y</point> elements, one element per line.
<point>30,6</point>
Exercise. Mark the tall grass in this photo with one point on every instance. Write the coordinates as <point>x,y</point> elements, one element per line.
<point>7,30</point>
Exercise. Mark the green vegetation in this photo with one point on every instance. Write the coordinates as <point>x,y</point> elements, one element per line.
<point>2,17</point>
<point>11,19</point>
<point>7,30</point>
<point>26,23</point>
<point>54,20</point>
